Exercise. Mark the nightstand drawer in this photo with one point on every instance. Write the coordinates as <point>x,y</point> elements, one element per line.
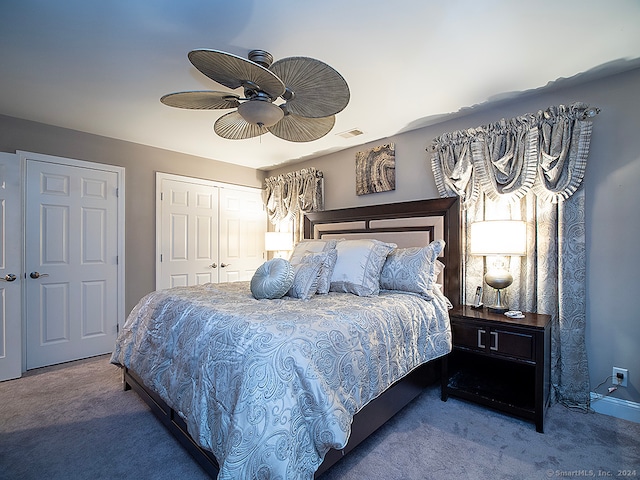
<point>495,341</point>
<point>514,344</point>
<point>468,336</point>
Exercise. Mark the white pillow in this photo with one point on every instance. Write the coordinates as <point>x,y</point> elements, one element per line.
<point>413,269</point>
<point>305,282</point>
<point>316,246</point>
<point>358,266</point>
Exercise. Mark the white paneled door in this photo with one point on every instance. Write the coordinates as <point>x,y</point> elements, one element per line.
<point>10,268</point>
<point>71,260</point>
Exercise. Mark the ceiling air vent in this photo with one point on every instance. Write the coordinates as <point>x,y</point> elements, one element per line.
<point>350,133</point>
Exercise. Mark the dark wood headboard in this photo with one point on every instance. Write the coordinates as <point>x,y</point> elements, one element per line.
<point>406,223</point>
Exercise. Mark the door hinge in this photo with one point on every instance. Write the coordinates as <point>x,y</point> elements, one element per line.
<point>160,258</point>
<point>161,196</point>
<point>117,192</point>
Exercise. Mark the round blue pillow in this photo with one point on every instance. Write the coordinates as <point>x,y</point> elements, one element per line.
<point>272,279</point>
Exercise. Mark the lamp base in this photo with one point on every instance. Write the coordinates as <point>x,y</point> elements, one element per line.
<point>498,278</point>
<point>499,306</point>
<point>494,309</point>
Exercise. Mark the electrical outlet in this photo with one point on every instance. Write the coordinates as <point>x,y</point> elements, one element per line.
<point>616,380</point>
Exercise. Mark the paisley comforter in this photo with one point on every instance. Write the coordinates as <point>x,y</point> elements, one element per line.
<point>269,386</point>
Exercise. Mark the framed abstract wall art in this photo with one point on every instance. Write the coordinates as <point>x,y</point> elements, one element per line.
<point>376,170</point>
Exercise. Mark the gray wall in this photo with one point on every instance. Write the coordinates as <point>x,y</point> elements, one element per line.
<point>141,163</point>
<point>612,186</point>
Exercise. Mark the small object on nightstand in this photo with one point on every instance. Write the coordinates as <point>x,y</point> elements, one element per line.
<point>477,301</point>
<point>514,314</point>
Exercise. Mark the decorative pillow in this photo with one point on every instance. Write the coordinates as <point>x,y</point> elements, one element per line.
<point>438,269</point>
<point>305,283</point>
<point>358,266</point>
<point>272,279</point>
<point>316,246</point>
<point>413,269</point>
<point>310,246</point>
<point>324,279</point>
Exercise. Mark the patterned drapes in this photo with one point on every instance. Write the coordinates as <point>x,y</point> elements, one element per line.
<point>289,195</point>
<point>531,168</point>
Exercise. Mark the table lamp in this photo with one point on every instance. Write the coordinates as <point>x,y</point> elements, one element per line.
<point>279,242</point>
<point>498,239</point>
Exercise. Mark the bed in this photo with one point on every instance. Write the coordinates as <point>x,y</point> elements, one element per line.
<point>309,379</point>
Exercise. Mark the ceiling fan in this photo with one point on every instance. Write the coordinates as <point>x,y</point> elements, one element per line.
<point>313,93</point>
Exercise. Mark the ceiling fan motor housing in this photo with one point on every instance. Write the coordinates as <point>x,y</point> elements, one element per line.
<point>261,57</point>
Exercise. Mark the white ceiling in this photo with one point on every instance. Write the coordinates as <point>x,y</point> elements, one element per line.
<point>102,66</point>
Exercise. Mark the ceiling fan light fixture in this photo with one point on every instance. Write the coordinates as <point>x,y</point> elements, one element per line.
<point>261,113</point>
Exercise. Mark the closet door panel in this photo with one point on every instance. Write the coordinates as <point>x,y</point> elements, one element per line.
<point>242,227</point>
<point>188,242</point>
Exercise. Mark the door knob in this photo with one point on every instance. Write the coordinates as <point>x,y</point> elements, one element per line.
<point>214,265</point>
<point>225,265</point>
<point>9,277</point>
<point>38,274</point>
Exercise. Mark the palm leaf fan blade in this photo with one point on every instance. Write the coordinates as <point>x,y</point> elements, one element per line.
<point>294,128</point>
<point>234,72</point>
<point>233,127</point>
<point>318,90</point>
<point>201,100</point>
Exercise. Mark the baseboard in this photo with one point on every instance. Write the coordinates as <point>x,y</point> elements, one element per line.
<point>615,407</point>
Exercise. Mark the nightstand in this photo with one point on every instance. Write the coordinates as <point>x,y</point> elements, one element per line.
<point>500,362</point>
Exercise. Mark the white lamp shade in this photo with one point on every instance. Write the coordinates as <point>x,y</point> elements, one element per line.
<point>499,237</point>
<point>278,241</point>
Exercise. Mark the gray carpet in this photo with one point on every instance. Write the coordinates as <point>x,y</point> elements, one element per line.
<point>73,421</point>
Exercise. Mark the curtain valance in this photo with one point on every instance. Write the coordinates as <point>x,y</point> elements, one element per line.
<point>545,152</point>
<point>286,195</point>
